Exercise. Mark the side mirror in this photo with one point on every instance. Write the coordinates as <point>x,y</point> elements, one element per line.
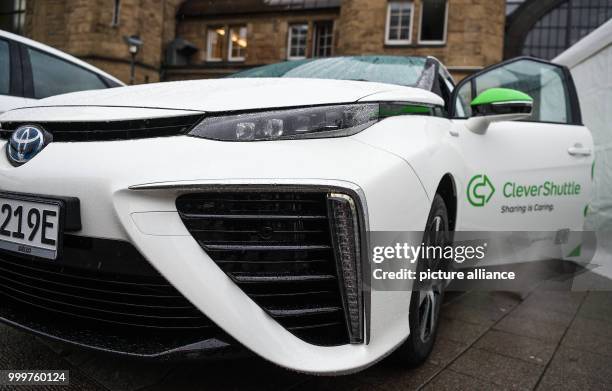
<point>498,104</point>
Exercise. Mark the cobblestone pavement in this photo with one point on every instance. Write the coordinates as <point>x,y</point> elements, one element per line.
<point>548,339</point>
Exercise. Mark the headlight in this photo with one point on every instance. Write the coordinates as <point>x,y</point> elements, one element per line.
<point>309,122</point>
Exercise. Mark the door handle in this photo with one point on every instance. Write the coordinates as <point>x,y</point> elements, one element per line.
<point>579,150</point>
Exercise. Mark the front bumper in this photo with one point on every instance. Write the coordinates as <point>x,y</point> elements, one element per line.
<point>128,191</point>
<point>103,294</point>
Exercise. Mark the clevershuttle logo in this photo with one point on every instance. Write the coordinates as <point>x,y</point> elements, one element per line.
<point>480,190</point>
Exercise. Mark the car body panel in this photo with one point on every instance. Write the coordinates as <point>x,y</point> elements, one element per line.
<point>128,188</point>
<point>87,113</point>
<point>8,102</point>
<point>221,95</point>
<point>526,154</point>
<point>112,170</point>
<point>434,147</point>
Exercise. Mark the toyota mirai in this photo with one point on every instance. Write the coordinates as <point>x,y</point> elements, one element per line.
<point>199,218</point>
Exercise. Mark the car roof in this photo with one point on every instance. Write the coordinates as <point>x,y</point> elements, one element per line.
<point>58,53</point>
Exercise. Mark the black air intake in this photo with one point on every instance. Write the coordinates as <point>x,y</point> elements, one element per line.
<point>278,248</point>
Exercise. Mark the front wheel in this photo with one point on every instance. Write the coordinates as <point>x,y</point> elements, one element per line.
<point>426,299</point>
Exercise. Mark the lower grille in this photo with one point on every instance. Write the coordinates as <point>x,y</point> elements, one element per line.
<point>109,310</point>
<point>277,247</point>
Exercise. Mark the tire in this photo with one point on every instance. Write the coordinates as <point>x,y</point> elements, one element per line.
<point>425,304</point>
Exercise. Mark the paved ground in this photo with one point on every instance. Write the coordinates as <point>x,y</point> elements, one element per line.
<point>546,340</point>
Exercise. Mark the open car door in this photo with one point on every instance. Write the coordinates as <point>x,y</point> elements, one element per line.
<point>527,175</point>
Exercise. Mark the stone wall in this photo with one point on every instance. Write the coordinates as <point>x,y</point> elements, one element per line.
<point>474,39</point>
<point>84,29</point>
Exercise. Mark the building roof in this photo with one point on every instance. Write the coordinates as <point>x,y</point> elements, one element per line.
<point>191,8</point>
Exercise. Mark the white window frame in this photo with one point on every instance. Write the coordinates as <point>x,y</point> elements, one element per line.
<point>289,36</point>
<point>231,43</point>
<point>315,38</point>
<point>443,41</point>
<point>209,36</point>
<point>388,24</point>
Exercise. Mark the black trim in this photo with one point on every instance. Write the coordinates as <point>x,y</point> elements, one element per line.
<point>102,294</point>
<point>72,207</point>
<point>26,66</point>
<point>15,82</point>
<point>574,116</point>
<point>573,97</point>
<point>16,85</point>
<point>439,85</point>
<point>111,130</point>
<point>110,83</point>
<point>435,88</point>
<point>501,108</point>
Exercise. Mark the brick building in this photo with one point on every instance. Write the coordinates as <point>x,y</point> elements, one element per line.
<point>464,34</point>
<point>94,31</point>
<point>211,38</point>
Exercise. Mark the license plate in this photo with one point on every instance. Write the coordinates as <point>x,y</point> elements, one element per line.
<point>29,225</point>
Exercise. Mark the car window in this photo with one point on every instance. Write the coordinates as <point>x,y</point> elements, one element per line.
<point>401,70</point>
<point>5,68</point>
<point>545,83</point>
<point>53,76</point>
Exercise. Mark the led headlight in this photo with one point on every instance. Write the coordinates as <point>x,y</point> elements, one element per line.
<point>309,122</point>
<point>345,239</point>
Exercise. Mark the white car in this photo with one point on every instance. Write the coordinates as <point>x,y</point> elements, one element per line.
<point>30,70</point>
<point>194,217</point>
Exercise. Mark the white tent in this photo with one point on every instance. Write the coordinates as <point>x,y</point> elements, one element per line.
<point>590,62</point>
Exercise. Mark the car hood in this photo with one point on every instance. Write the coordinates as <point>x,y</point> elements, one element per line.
<point>216,95</point>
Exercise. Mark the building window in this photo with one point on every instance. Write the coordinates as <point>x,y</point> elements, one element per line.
<point>298,34</point>
<point>323,39</point>
<point>12,15</point>
<point>215,43</point>
<point>116,13</point>
<point>237,43</point>
<point>399,22</point>
<point>563,26</point>
<point>434,14</point>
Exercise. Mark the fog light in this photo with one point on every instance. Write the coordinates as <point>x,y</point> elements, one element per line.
<point>344,228</point>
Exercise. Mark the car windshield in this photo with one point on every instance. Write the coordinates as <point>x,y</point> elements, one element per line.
<point>405,71</point>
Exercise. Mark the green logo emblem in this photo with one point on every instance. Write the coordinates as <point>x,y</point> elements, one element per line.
<point>480,190</point>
